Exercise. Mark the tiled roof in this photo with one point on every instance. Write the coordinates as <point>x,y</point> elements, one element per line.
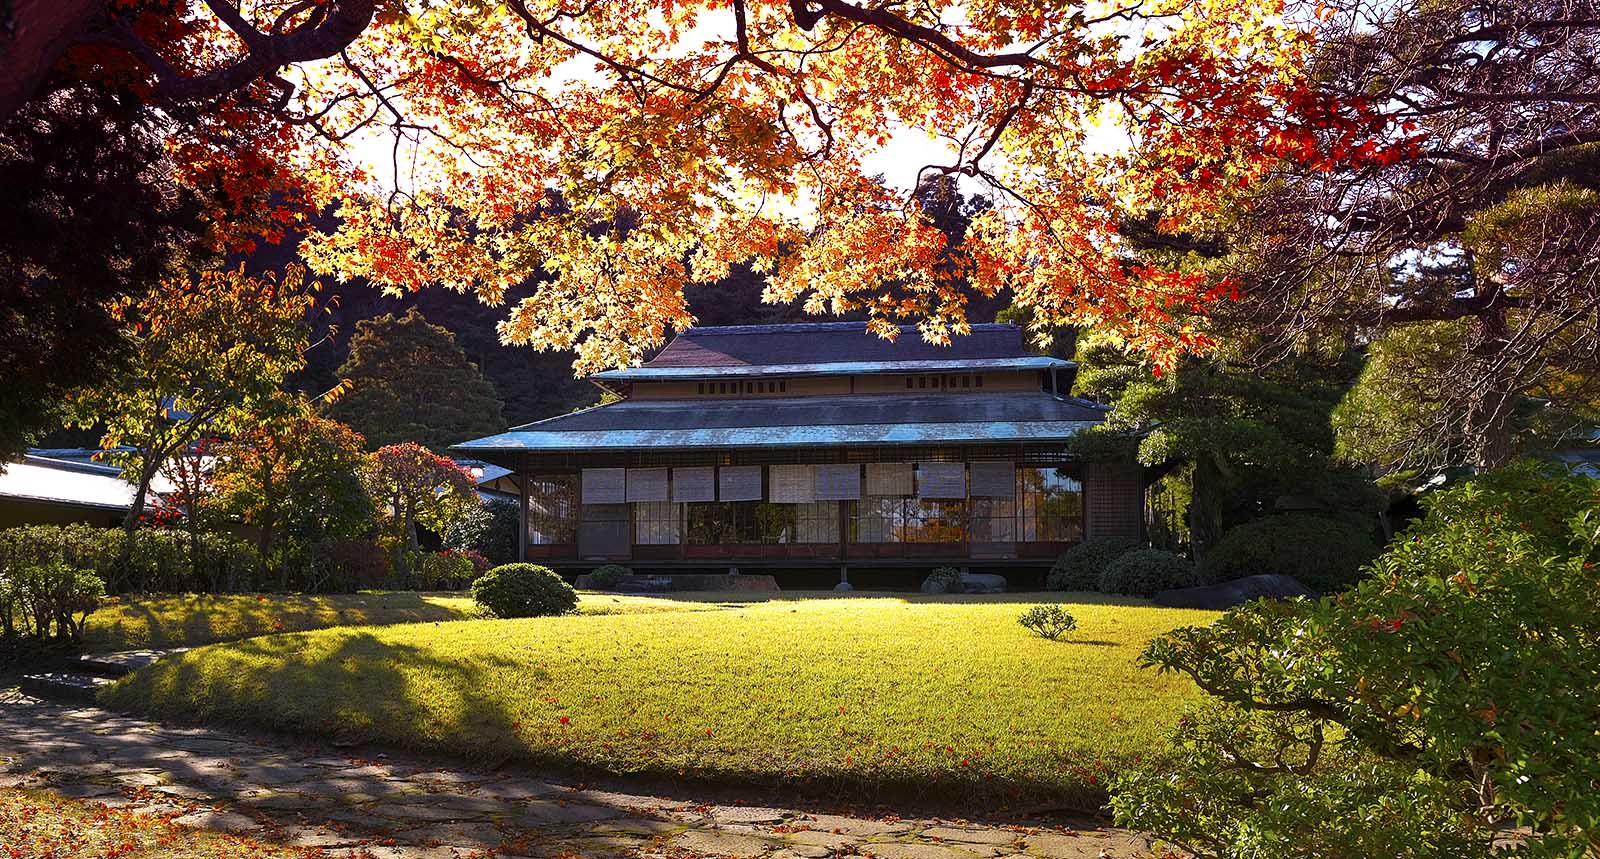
<point>830,347</point>
<point>800,421</point>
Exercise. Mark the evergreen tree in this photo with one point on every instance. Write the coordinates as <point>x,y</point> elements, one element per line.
<point>410,381</point>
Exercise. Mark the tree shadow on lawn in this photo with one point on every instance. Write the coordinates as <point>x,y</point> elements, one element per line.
<point>739,599</point>
<point>212,618</point>
<point>355,696</point>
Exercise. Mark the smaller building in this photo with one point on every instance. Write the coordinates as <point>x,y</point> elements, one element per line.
<point>778,447</point>
<point>47,490</point>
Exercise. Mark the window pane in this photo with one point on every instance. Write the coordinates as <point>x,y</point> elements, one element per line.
<point>930,520</point>
<point>656,523</point>
<point>879,519</point>
<point>552,509</point>
<point>1051,505</point>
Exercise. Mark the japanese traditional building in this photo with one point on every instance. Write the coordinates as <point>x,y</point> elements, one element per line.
<point>774,447</point>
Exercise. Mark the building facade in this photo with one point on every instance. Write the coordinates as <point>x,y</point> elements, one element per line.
<point>818,445</point>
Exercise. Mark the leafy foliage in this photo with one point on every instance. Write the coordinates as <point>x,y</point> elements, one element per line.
<point>46,603</point>
<point>1079,568</point>
<point>207,356</point>
<point>1452,691</point>
<point>296,480</point>
<point>148,560</point>
<point>1143,572</point>
<point>447,571</point>
<point>1048,621</point>
<point>413,486</point>
<point>1325,555</point>
<point>490,529</point>
<point>523,590</point>
<point>607,577</point>
<point>410,382</point>
<point>943,580</point>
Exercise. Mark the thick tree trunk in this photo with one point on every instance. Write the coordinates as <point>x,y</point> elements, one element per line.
<point>1205,506</point>
<point>33,34</point>
<point>1489,426</point>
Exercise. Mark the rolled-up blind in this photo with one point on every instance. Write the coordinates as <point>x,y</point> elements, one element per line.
<point>694,484</point>
<point>941,480</point>
<point>647,484</point>
<point>605,485</point>
<point>992,479</point>
<point>838,482</point>
<point>793,484</point>
<point>889,478</point>
<point>739,483</point>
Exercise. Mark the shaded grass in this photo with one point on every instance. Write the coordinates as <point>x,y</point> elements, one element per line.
<point>39,824</point>
<point>942,697</point>
<point>191,620</point>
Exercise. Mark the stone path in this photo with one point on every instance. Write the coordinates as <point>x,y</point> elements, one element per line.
<point>389,806</point>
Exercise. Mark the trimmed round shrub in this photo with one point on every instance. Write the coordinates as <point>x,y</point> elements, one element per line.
<point>943,580</point>
<point>1079,568</point>
<point>1143,572</point>
<point>523,590</point>
<point>608,577</point>
<point>1323,554</point>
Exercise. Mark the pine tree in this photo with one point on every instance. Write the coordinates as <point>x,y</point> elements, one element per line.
<point>410,381</point>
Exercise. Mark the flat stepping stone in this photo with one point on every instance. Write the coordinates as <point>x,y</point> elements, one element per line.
<point>64,686</point>
<point>971,836</point>
<point>217,821</point>
<point>122,662</point>
<point>904,850</point>
<point>723,843</point>
<point>749,815</point>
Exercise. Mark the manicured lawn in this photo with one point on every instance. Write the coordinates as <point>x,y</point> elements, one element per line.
<point>190,620</point>
<point>857,697</point>
<point>38,824</point>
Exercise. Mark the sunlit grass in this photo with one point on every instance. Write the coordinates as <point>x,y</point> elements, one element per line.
<point>857,697</point>
<point>190,620</point>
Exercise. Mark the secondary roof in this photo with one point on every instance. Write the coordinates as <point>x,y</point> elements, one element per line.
<point>830,348</point>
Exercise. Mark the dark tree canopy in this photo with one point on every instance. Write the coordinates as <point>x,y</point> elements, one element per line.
<point>410,381</point>
<point>90,215</point>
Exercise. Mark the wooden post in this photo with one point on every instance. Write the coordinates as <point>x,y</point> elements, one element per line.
<point>522,500</point>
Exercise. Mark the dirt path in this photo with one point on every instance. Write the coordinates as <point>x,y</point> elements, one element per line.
<point>396,807</point>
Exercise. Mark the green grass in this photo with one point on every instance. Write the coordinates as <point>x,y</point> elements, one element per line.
<point>861,697</point>
<point>190,620</point>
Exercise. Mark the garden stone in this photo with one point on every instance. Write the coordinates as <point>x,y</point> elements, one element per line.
<point>844,586</point>
<point>749,815</point>
<point>902,850</point>
<point>1220,597</point>
<point>859,827</point>
<point>217,821</point>
<point>930,586</point>
<point>722,843</point>
<point>983,583</point>
<point>971,836</point>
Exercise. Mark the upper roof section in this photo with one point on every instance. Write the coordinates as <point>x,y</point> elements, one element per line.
<point>829,348</point>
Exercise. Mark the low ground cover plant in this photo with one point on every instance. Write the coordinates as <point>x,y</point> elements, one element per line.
<point>609,576</point>
<point>1324,554</point>
<point>927,696</point>
<point>1145,572</point>
<point>1449,696</point>
<point>523,590</point>
<point>1048,621</point>
<point>943,580</point>
<point>1079,568</point>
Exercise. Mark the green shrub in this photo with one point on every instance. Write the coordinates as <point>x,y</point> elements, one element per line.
<point>1079,568</point>
<point>1323,554</point>
<point>523,590</point>
<point>348,565</point>
<point>447,571</point>
<point>47,602</point>
<point>1412,716</point>
<point>489,529</point>
<point>943,580</point>
<point>1048,621</point>
<point>1143,572</point>
<point>227,564</point>
<point>608,577</point>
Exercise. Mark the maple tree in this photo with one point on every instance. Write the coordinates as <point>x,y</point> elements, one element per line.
<point>208,355</point>
<point>413,486</point>
<point>294,479</point>
<point>515,135</point>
